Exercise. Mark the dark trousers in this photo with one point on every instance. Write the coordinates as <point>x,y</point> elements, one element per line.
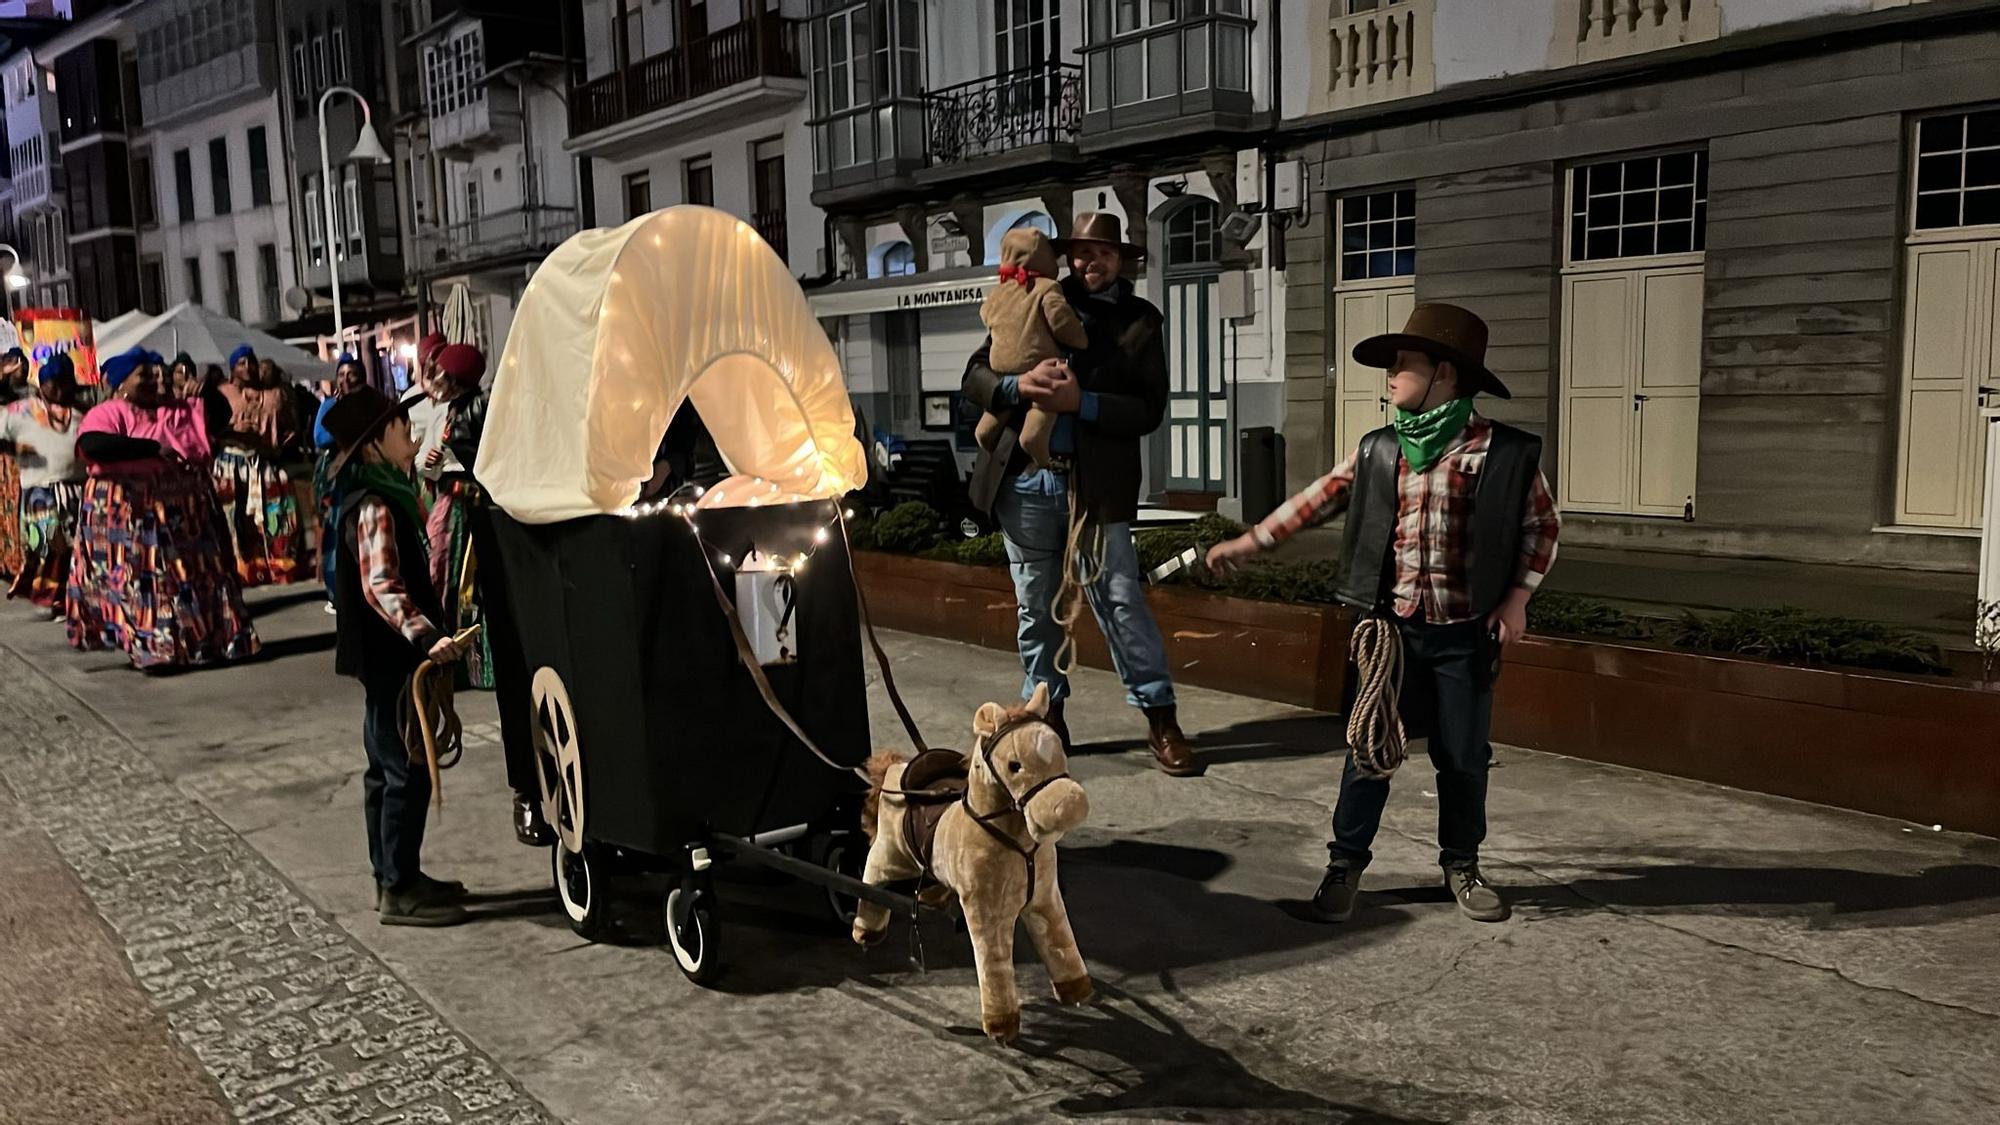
<point>510,668</point>
<point>1447,697</point>
<point>396,793</point>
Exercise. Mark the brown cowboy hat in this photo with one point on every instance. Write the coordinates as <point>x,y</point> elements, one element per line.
<point>1100,226</point>
<point>1442,332</point>
<point>357,418</point>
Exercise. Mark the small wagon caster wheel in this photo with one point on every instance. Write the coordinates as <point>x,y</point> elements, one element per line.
<point>579,880</point>
<point>842,854</point>
<point>691,929</point>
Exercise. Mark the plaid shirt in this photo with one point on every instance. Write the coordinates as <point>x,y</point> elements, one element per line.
<point>382,585</point>
<point>1433,528</point>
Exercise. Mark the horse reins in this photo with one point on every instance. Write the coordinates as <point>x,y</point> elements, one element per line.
<point>431,730</point>
<point>1015,804</point>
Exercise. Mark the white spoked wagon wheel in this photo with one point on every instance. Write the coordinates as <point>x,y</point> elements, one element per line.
<point>574,865</point>
<point>691,931</point>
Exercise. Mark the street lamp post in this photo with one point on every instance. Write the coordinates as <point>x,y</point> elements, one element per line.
<point>368,148</point>
<point>14,278</point>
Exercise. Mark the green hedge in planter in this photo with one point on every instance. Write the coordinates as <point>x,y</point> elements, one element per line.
<point>1787,635</point>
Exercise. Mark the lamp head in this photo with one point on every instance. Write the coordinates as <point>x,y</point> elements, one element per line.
<point>368,147</point>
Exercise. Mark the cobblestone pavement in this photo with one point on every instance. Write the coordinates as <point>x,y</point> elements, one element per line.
<point>1680,954</point>
<point>294,1020</point>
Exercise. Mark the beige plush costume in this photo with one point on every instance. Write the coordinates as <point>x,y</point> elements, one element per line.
<point>1030,320</point>
<point>990,837</point>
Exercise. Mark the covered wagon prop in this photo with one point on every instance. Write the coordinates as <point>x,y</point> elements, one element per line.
<point>695,661</point>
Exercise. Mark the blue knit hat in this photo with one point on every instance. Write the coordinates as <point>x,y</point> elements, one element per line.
<point>58,363</point>
<point>155,358</point>
<point>242,351</point>
<point>121,366</point>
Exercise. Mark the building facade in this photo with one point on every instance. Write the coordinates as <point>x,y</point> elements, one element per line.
<point>1738,256</point>
<point>98,117</point>
<point>490,189</point>
<point>939,125</point>
<point>37,205</point>
<point>356,44</point>
<point>213,201</point>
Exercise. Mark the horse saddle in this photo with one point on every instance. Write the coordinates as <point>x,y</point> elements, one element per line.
<point>932,782</point>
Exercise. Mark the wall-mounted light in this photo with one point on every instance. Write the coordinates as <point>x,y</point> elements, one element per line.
<point>1174,189</point>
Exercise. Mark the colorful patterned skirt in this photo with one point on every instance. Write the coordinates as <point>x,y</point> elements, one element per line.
<point>10,501</point>
<point>262,514</point>
<point>150,576</point>
<point>48,525</point>
<point>449,530</point>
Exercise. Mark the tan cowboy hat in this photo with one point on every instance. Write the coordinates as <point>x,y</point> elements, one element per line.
<point>1100,226</point>
<point>1443,332</point>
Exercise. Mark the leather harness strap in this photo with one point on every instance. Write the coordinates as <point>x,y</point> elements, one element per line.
<point>1014,804</point>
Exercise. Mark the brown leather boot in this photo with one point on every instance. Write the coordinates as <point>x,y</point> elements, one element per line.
<point>1170,747</point>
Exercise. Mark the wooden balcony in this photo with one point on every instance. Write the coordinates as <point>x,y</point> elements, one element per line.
<point>762,47</point>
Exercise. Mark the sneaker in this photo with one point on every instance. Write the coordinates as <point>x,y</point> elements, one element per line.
<point>1479,901</point>
<point>1334,901</point>
<point>415,907</point>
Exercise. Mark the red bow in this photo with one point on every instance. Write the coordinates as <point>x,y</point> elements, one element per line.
<point>1022,274</point>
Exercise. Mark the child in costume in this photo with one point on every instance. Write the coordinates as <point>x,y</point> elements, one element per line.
<point>387,625</point>
<point>1030,320</point>
<point>1450,528</point>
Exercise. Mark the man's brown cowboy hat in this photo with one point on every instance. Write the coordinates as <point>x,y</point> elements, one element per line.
<point>1100,226</point>
<point>1442,332</point>
<point>357,418</point>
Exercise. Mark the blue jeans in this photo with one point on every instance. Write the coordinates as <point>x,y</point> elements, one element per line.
<point>1447,697</point>
<point>1033,511</point>
<point>395,793</point>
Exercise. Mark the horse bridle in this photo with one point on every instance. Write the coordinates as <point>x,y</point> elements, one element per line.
<point>1014,804</point>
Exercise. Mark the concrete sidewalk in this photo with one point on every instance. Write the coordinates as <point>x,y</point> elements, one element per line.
<point>1680,953</point>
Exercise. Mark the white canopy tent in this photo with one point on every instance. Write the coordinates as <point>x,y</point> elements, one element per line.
<point>620,327</point>
<point>207,337</point>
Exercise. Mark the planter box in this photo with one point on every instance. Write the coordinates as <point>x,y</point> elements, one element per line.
<point>1294,654</point>
<point>1926,750</point>
<point>1919,749</point>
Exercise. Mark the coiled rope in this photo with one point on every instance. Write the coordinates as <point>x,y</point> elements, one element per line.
<point>429,723</point>
<point>1374,727</point>
<point>1083,562</point>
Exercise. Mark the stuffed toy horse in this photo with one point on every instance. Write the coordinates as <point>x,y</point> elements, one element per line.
<point>985,826</point>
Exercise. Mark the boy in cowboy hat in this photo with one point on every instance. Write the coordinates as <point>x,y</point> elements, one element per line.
<point>1105,406</point>
<point>386,614</point>
<point>1450,527</point>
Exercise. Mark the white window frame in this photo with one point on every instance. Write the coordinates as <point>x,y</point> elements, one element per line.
<point>319,81</point>
<point>1572,264</point>
<point>300,89</point>
<point>1912,235</point>
<point>339,50</point>
<point>1385,281</point>
<point>315,235</point>
<point>351,191</point>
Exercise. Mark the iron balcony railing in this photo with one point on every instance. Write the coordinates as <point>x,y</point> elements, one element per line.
<point>490,236</point>
<point>1038,105</point>
<point>762,46</point>
<point>771,228</point>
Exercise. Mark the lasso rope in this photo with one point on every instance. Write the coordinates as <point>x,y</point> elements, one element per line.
<point>1374,727</point>
<point>429,724</point>
<point>1083,562</point>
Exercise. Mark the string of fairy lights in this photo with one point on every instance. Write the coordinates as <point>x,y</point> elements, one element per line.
<point>682,504</point>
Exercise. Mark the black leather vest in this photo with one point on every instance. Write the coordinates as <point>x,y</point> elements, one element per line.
<point>1367,573</point>
<point>366,647</point>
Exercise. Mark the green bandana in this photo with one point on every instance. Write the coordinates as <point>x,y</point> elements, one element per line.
<point>386,481</point>
<point>1424,437</point>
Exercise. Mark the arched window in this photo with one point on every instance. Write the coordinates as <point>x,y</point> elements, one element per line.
<point>1191,237</point>
<point>892,259</point>
<point>1035,220</point>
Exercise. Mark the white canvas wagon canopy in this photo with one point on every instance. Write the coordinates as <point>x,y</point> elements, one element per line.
<point>620,327</point>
